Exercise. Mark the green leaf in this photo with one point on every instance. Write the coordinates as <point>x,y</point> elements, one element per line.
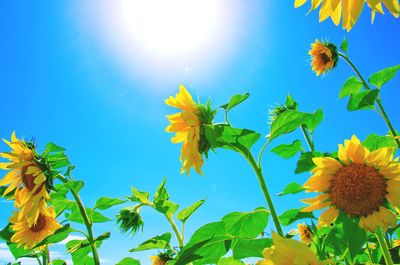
<point>229,261</point>
<point>207,245</point>
<point>374,142</point>
<point>58,236</point>
<point>167,207</point>
<point>234,101</point>
<point>354,236</point>
<point>362,100</point>
<point>224,136</point>
<point>104,203</point>
<point>352,85</point>
<point>157,242</point>
<point>314,120</point>
<point>76,186</point>
<point>187,212</point>
<point>79,250</point>
<point>246,247</point>
<point>246,224</point>
<point>305,163</point>
<point>139,196</point>
<point>128,261</point>
<point>292,215</point>
<point>287,122</point>
<point>52,147</point>
<point>20,252</point>
<point>288,150</point>
<point>291,103</point>
<point>291,188</point>
<point>58,262</point>
<point>161,192</point>
<point>344,45</point>
<point>382,77</point>
<point>75,216</point>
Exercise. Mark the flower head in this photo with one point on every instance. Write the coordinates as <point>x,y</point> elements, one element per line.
<point>28,236</point>
<point>287,251</point>
<point>305,233</point>
<point>361,184</point>
<point>26,178</point>
<point>349,10</point>
<point>324,57</point>
<point>189,129</point>
<point>129,220</point>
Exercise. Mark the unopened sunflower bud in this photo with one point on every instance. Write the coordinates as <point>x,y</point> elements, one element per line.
<point>129,220</point>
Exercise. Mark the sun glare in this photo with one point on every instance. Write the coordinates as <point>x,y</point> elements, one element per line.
<point>168,26</point>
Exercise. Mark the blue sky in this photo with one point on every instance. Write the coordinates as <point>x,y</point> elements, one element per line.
<point>66,78</point>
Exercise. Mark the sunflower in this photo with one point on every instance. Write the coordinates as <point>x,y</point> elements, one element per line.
<point>304,233</point>
<point>349,10</point>
<point>28,236</point>
<point>286,251</point>
<point>161,259</point>
<point>188,128</point>
<point>361,184</point>
<point>25,177</point>
<point>324,57</point>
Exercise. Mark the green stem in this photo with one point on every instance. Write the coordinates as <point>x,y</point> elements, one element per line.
<point>257,169</point>
<point>308,138</point>
<point>86,220</point>
<point>378,100</point>
<point>261,153</point>
<point>344,255</point>
<point>385,250</point>
<point>176,231</point>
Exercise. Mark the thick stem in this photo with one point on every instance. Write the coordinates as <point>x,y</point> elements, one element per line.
<point>86,220</point>
<point>308,138</point>
<point>249,157</point>
<point>384,247</point>
<point>378,101</point>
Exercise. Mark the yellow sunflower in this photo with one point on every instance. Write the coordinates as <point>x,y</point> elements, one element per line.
<point>305,233</point>
<point>159,260</point>
<point>187,126</point>
<point>360,184</point>
<point>324,57</point>
<point>349,10</point>
<point>28,236</point>
<point>25,177</point>
<point>286,251</point>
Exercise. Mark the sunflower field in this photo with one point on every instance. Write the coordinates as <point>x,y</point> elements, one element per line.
<point>347,211</point>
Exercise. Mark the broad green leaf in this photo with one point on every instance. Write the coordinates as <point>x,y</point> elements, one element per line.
<point>61,205</point>
<point>246,224</point>
<point>167,207</point>
<point>288,150</point>
<point>161,193</point>
<point>187,212</point>
<point>188,254</point>
<point>245,248</point>
<point>58,262</point>
<point>234,101</point>
<point>213,240</point>
<point>362,100</point>
<point>104,203</point>
<point>354,235</point>
<point>76,186</point>
<point>20,252</point>
<point>291,188</point>
<point>224,136</point>
<point>229,261</point>
<point>314,120</point>
<point>382,77</point>
<point>58,236</point>
<point>305,162</point>
<point>292,215</point>
<point>344,45</point>
<point>52,147</point>
<point>352,85</point>
<point>6,233</point>
<point>139,196</point>
<point>374,142</point>
<point>75,216</point>
<point>79,250</point>
<point>128,261</point>
<point>287,122</point>
<point>157,242</point>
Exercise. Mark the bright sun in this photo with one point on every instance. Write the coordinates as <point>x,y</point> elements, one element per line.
<point>168,26</point>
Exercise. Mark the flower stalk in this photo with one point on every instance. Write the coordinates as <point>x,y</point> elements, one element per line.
<point>86,221</point>
<point>382,111</point>
<point>384,247</point>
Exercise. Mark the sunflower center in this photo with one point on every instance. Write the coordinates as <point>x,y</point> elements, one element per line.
<point>358,189</point>
<point>325,58</point>
<point>28,180</point>
<point>40,224</point>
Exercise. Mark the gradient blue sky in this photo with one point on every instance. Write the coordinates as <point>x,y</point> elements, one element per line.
<point>66,78</point>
